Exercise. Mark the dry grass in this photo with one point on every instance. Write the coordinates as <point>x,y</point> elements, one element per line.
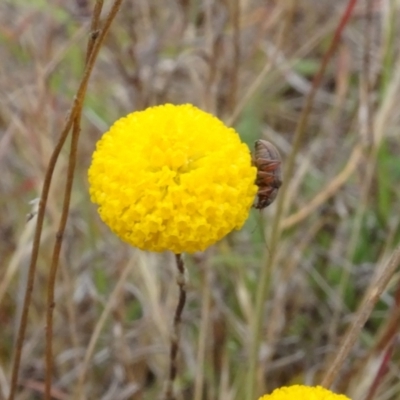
<point>252,63</point>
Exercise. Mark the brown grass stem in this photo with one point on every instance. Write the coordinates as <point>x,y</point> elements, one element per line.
<point>64,216</point>
<point>173,354</point>
<point>366,139</point>
<point>372,296</point>
<point>93,49</point>
<point>56,254</point>
<point>94,29</point>
<point>35,253</point>
<point>77,104</point>
<point>266,272</point>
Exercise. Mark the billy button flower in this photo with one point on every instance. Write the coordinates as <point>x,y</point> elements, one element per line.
<point>300,392</point>
<point>172,178</point>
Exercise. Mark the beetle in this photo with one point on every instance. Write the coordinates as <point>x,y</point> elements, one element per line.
<point>268,162</point>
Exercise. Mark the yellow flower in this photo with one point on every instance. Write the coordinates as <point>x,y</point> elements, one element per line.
<point>172,178</point>
<point>299,392</point>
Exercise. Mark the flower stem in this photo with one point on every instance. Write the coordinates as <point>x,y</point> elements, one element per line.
<point>181,281</point>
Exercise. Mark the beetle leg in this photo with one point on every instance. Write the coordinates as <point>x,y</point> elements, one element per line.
<point>265,197</point>
<point>267,165</point>
<point>268,179</point>
<point>264,178</point>
<point>265,174</point>
<point>265,191</point>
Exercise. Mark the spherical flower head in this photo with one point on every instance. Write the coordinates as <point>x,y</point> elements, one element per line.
<point>300,392</point>
<point>172,178</point>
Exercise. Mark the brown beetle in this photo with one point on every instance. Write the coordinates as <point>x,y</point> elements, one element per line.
<point>267,160</point>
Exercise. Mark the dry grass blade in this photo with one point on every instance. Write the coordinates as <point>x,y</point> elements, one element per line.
<point>372,296</point>
<point>99,326</point>
<point>326,193</point>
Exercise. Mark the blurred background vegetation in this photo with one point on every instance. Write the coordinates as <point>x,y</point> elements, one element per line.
<point>252,63</point>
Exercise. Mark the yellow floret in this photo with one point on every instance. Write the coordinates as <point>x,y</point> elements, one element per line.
<point>300,392</point>
<point>172,178</point>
